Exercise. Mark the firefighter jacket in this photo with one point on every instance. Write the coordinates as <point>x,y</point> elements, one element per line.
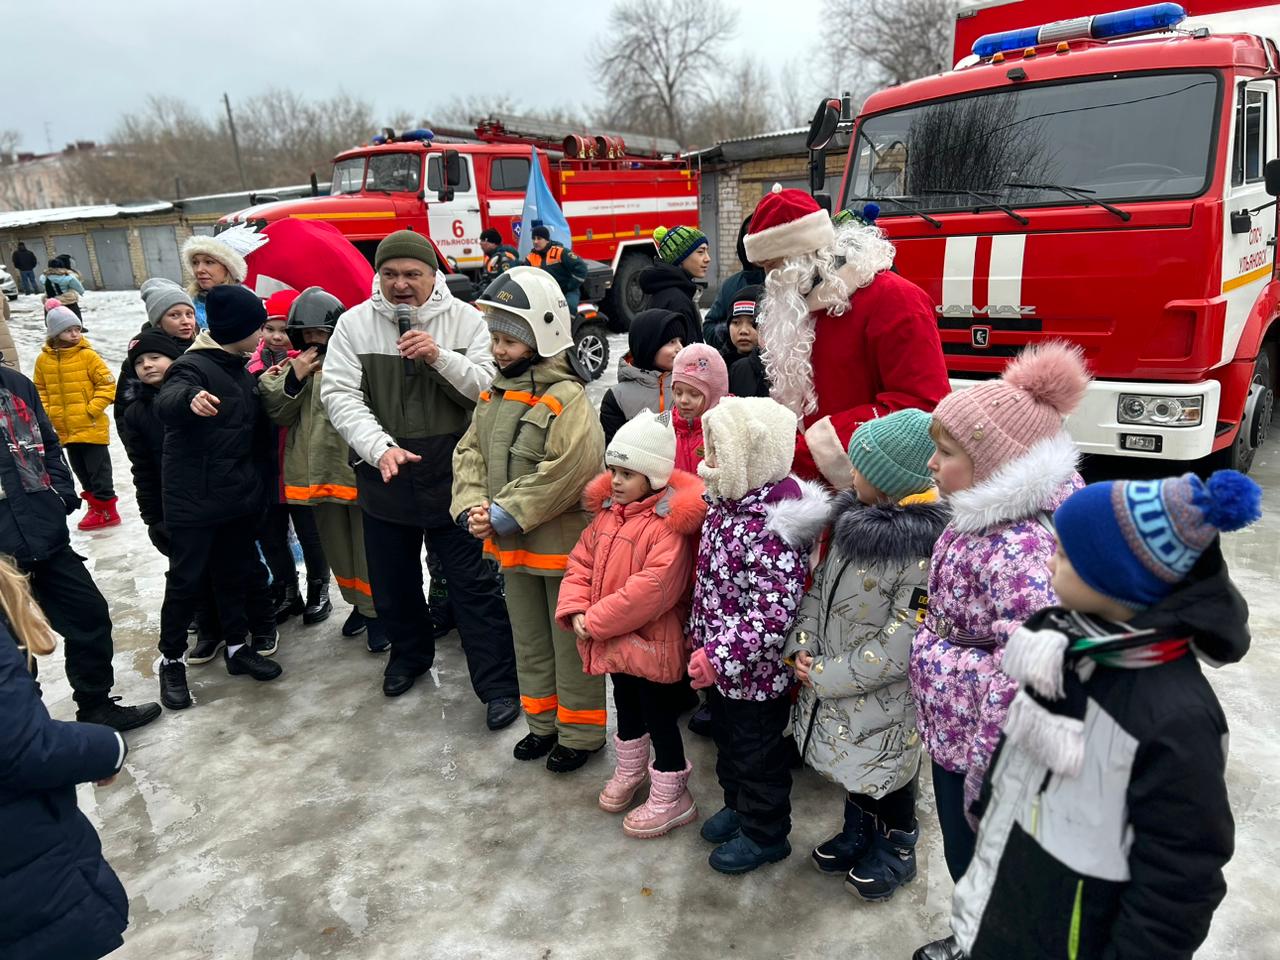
<point>568,269</point>
<point>317,467</point>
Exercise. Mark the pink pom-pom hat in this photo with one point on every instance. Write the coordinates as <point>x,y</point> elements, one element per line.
<point>998,421</point>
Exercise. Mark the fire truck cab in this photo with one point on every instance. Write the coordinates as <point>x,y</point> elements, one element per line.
<point>1109,180</point>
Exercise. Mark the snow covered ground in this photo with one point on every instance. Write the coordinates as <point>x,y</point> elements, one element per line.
<point>312,817</point>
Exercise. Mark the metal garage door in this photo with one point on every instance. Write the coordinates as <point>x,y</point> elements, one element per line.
<point>112,248</point>
<point>79,250</point>
<point>709,223</point>
<point>160,253</point>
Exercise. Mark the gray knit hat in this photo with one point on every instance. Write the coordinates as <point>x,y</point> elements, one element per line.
<point>161,296</point>
<point>59,319</point>
<point>517,328</point>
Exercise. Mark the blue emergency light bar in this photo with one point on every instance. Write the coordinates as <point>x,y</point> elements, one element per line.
<point>1104,26</point>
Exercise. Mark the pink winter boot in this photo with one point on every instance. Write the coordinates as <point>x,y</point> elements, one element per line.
<point>669,805</point>
<point>628,776</point>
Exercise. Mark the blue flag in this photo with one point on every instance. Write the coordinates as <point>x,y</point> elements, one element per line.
<point>540,207</point>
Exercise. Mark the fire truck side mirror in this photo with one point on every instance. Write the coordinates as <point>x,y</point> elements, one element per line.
<point>1271,172</point>
<point>451,171</point>
<point>824,124</point>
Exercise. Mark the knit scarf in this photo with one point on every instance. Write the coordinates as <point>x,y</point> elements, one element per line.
<point>1052,655</point>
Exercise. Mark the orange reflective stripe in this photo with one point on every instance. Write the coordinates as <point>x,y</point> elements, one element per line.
<point>529,399</point>
<point>539,704</point>
<point>590,718</point>
<point>316,490</point>
<point>354,583</point>
<point>556,406</point>
<point>526,558</point>
<point>484,395</point>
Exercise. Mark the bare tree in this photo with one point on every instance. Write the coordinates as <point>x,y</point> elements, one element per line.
<point>744,107</point>
<point>661,62</point>
<point>883,42</point>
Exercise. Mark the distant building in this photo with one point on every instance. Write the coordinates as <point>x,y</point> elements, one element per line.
<point>35,181</point>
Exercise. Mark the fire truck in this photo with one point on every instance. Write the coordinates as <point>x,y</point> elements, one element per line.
<point>1106,178</point>
<point>613,194</point>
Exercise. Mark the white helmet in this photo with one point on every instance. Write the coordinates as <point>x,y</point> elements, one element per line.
<point>529,297</point>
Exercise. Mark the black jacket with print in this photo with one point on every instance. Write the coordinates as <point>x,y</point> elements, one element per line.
<point>1123,861</point>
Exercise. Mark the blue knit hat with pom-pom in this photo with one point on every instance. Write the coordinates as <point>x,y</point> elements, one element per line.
<point>1135,540</point>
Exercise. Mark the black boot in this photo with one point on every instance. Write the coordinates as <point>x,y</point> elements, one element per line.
<point>173,685</point>
<point>945,949</point>
<point>355,624</point>
<point>533,746</point>
<point>318,605</point>
<point>837,856</point>
<point>564,759</point>
<point>288,602</point>
<point>109,712</point>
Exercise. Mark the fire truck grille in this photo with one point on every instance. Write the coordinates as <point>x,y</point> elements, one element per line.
<point>1006,324</point>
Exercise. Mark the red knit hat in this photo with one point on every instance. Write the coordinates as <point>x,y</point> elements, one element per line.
<point>278,304</point>
<point>787,223</point>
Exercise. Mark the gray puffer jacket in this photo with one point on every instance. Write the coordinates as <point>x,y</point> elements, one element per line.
<point>637,389</point>
<point>857,723</point>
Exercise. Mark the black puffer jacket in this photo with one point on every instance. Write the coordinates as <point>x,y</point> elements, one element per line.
<point>668,287</point>
<point>1123,860</point>
<point>38,489</point>
<point>143,437</point>
<point>125,394</point>
<point>747,377</point>
<point>213,467</point>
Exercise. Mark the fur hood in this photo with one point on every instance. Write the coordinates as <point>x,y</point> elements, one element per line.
<point>680,504</point>
<point>797,511</point>
<point>886,533</point>
<point>1037,481</point>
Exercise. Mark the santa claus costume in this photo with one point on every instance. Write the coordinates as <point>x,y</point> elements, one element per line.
<point>844,339</point>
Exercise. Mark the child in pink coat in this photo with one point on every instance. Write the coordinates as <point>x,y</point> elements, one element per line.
<point>626,594</point>
<point>699,380</point>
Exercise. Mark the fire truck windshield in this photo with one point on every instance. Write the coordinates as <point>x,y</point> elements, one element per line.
<point>348,176</point>
<point>394,172</point>
<point>1136,137</point>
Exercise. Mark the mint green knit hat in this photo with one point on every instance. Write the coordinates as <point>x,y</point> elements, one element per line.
<point>676,243</point>
<point>893,453</point>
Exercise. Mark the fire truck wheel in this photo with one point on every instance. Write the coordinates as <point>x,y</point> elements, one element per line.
<point>593,348</point>
<point>626,299</point>
<point>1256,422</point>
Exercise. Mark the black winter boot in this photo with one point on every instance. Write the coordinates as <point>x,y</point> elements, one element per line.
<point>288,602</point>
<point>837,856</point>
<point>318,605</point>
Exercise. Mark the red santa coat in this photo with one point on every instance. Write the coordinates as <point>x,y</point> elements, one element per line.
<point>882,354</point>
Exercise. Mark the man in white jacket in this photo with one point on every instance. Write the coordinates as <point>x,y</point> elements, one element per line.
<point>402,401</point>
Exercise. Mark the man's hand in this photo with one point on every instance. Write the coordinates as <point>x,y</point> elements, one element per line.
<point>389,463</point>
<point>205,404</point>
<point>306,363</point>
<point>418,344</point>
<point>804,663</point>
<point>478,522</point>
<point>579,622</point>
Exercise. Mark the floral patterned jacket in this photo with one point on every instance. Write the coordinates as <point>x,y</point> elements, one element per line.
<point>989,572</point>
<point>749,579</point>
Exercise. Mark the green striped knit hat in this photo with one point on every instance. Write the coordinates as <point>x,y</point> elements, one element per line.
<point>676,243</point>
<point>893,453</point>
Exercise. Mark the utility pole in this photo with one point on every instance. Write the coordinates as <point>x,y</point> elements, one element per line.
<point>235,144</point>
<point>48,136</point>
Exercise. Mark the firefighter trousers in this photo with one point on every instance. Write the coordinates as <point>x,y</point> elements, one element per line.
<point>556,695</point>
<point>342,537</point>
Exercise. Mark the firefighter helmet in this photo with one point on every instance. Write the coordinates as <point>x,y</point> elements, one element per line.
<point>534,296</point>
<point>314,309</point>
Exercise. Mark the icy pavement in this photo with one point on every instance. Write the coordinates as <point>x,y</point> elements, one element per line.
<point>313,817</point>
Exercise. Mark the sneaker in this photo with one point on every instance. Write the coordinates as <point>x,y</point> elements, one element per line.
<point>319,606</point>
<point>266,645</point>
<point>532,746</point>
<point>742,855</point>
<point>174,693</point>
<point>110,713</point>
<point>722,827</point>
<point>375,638</point>
<point>247,661</point>
<point>564,759</point>
<point>205,649</point>
<point>355,624</point>
<point>889,864</point>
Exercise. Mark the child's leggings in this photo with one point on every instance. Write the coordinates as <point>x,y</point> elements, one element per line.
<point>645,706</point>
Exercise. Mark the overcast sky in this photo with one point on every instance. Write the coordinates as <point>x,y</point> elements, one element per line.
<point>104,58</point>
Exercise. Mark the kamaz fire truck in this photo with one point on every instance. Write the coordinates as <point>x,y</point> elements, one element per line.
<point>1106,178</point>
<point>612,193</point>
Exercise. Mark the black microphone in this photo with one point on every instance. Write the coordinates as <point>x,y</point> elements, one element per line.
<point>404,313</point>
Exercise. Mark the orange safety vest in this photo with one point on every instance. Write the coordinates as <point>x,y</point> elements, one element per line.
<point>553,255</point>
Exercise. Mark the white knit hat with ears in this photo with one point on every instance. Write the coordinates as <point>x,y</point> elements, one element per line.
<point>752,441</point>
<point>645,444</point>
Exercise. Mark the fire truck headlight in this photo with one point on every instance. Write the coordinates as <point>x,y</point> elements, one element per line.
<point>1160,411</point>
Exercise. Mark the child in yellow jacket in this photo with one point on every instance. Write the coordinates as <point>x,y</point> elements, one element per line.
<point>76,387</point>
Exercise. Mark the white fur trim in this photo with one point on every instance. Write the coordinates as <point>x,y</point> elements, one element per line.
<point>1019,489</point>
<point>1034,657</point>
<point>829,454</point>
<point>752,440</point>
<point>805,234</point>
<point>213,247</point>
<point>799,521</point>
<point>1054,740</point>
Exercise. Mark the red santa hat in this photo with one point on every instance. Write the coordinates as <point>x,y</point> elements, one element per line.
<point>787,223</point>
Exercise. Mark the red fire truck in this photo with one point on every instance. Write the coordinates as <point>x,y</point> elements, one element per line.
<point>613,195</point>
<point>1107,180</point>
